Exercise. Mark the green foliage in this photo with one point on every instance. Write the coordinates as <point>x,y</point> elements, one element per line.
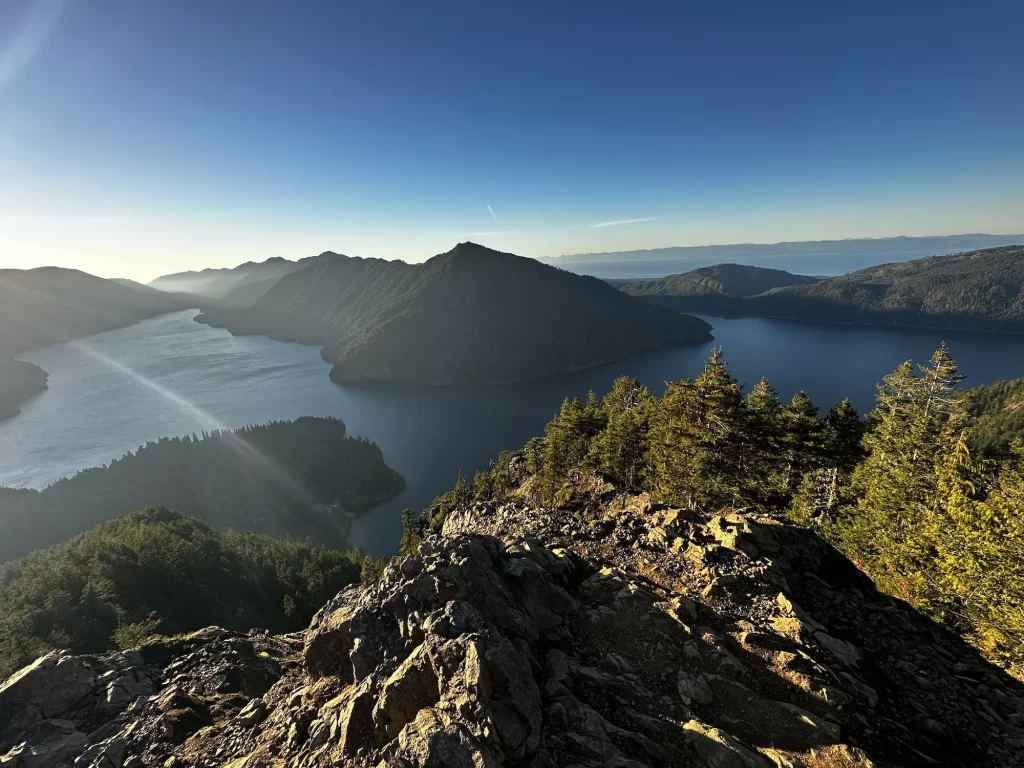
<point>412,533</point>
<point>915,425</point>
<point>998,417</point>
<point>372,569</point>
<point>138,633</point>
<point>902,495</point>
<point>110,585</point>
<point>698,440</point>
<point>299,479</point>
<point>620,449</point>
<point>568,439</point>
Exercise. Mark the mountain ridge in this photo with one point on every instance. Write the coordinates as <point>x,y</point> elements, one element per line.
<point>49,305</point>
<point>610,632</point>
<point>468,316</point>
<point>980,290</point>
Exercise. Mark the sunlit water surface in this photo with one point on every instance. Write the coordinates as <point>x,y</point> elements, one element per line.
<point>166,376</point>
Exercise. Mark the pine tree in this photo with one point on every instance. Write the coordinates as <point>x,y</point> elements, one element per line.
<point>762,445</point>
<point>412,533</point>
<point>825,490</point>
<point>697,439</point>
<point>801,440</point>
<point>567,442</point>
<point>915,425</point>
<point>620,449</point>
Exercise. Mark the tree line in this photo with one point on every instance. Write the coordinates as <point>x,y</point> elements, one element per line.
<point>297,479</point>
<point>155,572</point>
<point>903,492</point>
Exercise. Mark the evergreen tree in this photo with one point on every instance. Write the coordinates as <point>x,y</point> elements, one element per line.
<point>620,449</point>
<point>916,423</point>
<point>412,533</point>
<point>801,440</point>
<point>567,441</point>
<point>763,450</point>
<point>697,439</point>
<point>826,489</point>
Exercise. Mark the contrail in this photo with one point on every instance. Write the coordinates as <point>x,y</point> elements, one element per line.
<point>492,213</point>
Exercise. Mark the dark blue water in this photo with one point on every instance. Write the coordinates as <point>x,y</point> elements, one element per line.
<point>111,392</point>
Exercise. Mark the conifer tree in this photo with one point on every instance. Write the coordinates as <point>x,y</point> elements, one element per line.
<point>697,439</point>
<point>620,449</point>
<point>567,441</point>
<point>824,490</point>
<point>916,423</point>
<point>801,440</point>
<point>412,533</point>
<point>762,449</point>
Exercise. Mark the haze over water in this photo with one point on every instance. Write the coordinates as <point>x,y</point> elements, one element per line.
<point>112,392</point>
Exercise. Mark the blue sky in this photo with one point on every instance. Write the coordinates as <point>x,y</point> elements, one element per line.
<point>144,136</point>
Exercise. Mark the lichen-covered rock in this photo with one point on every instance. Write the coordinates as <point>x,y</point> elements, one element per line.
<point>616,633</point>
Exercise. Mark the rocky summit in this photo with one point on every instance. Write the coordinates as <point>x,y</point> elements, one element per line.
<point>608,632</point>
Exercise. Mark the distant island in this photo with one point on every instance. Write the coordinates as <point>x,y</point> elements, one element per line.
<point>469,316</point>
<point>974,291</point>
<point>815,257</point>
<point>303,479</point>
<point>51,305</point>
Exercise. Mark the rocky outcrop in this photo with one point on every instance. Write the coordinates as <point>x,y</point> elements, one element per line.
<point>612,632</point>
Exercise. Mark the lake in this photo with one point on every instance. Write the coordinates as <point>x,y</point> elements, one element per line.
<point>111,392</point>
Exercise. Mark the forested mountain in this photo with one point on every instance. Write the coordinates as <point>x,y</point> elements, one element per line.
<point>980,290</point>
<point>902,495</point>
<point>975,291</point>
<point>710,289</point>
<point>469,316</point>
<point>156,571</point>
<point>230,285</point>
<point>720,279</point>
<point>49,305</point>
<point>301,479</point>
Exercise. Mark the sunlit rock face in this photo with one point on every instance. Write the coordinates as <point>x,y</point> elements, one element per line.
<point>610,632</point>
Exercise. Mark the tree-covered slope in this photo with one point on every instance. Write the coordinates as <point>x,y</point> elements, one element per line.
<point>721,280</point>
<point>998,411</point>
<point>157,571</point>
<point>713,289</point>
<point>469,316</point>
<point>50,305</point>
<point>981,290</point>
<point>220,284</point>
<point>300,479</point>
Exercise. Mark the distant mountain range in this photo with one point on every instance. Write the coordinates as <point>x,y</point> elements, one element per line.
<point>976,291</point>
<point>235,286</point>
<point>469,316</point>
<point>815,257</point>
<point>49,305</point>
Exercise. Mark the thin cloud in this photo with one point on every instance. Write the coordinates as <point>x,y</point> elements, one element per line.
<point>620,222</point>
<point>492,213</point>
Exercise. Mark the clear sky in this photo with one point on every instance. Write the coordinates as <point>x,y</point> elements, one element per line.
<point>139,137</point>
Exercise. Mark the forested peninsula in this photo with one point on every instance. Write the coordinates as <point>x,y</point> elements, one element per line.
<point>301,480</point>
